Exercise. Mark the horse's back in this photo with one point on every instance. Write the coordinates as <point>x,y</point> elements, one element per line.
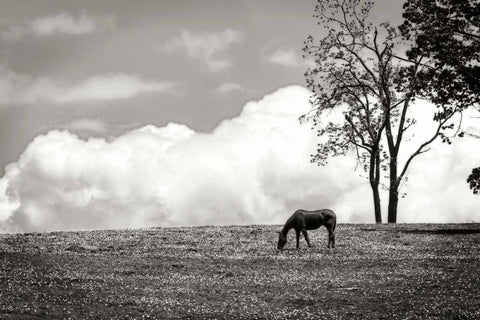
<point>313,219</point>
<point>327,213</point>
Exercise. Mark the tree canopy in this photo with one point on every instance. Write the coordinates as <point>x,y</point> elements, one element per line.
<point>447,32</point>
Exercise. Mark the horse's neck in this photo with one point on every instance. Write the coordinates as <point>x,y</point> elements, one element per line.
<point>287,227</point>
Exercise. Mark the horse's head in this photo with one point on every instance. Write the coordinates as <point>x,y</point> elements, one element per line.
<point>282,240</point>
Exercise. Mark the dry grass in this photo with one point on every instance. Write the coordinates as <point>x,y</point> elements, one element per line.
<point>403,271</point>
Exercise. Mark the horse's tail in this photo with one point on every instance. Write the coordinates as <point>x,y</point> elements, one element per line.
<point>334,223</point>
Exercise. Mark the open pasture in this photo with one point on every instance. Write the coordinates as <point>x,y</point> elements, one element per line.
<point>234,272</point>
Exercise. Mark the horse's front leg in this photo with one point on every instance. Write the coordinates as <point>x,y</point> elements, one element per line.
<point>305,234</point>
<point>297,234</point>
<point>331,239</point>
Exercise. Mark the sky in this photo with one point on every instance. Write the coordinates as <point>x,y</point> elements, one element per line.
<point>119,114</point>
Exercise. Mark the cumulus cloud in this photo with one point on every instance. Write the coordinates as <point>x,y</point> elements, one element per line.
<point>253,168</point>
<point>208,48</point>
<point>226,88</point>
<point>23,89</point>
<point>61,23</point>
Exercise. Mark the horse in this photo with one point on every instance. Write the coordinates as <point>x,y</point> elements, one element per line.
<point>303,220</point>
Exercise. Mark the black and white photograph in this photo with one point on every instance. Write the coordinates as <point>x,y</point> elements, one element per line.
<point>240,159</point>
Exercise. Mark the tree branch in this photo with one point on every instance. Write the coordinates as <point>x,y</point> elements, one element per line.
<point>362,138</point>
<point>359,60</point>
<point>426,143</point>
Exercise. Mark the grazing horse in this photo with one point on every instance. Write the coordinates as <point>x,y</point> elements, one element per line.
<point>303,220</point>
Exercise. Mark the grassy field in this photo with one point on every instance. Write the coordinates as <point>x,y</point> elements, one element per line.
<point>235,272</point>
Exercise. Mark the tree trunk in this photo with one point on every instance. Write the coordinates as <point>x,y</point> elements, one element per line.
<point>393,192</point>
<point>392,205</point>
<point>374,177</point>
<point>376,204</point>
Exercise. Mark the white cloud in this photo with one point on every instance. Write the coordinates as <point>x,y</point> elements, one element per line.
<point>23,89</point>
<point>208,48</point>
<point>61,23</point>
<point>253,168</point>
<point>284,57</point>
<point>226,88</point>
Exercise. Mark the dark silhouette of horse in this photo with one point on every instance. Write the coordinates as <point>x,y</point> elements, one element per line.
<point>303,220</point>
